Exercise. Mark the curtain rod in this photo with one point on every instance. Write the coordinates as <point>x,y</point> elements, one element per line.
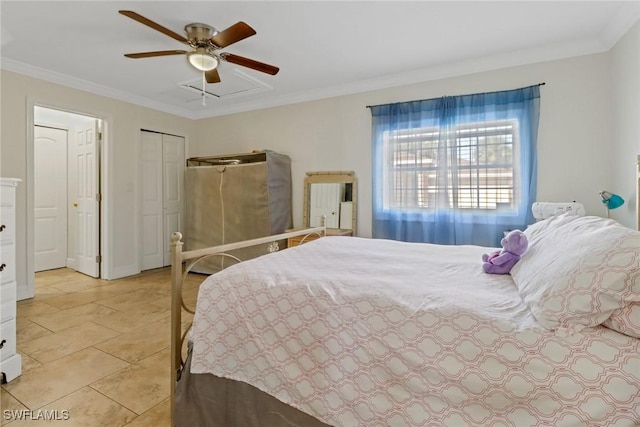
<point>369,106</point>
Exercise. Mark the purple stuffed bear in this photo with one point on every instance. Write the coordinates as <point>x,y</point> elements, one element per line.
<point>514,245</point>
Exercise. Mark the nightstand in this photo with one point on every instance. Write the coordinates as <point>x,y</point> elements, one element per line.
<point>295,241</point>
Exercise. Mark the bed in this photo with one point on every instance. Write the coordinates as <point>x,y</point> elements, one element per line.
<point>348,331</point>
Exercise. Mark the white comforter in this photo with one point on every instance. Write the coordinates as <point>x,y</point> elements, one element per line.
<point>365,332</point>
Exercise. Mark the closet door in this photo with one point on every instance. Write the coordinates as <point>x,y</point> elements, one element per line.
<point>50,198</point>
<point>152,221</point>
<point>173,189</point>
<point>162,200</point>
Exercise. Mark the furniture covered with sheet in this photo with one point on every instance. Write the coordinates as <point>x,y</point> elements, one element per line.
<point>234,198</point>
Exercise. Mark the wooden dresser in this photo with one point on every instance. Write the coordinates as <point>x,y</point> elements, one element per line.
<point>10,361</point>
<point>295,241</point>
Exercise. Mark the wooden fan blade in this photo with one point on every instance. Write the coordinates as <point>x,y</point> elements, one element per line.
<point>149,23</point>
<point>157,53</point>
<point>250,63</point>
<point>235,33</point>
<point>212,76</point>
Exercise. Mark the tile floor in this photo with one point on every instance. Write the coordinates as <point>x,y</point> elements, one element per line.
<point>97,349</point>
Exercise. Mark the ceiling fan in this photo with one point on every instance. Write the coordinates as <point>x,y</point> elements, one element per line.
<point>204,41</point>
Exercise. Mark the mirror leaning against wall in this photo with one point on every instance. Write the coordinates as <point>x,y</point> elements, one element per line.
<point>334,195</point>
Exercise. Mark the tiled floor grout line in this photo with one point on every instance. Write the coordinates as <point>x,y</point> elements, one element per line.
<point>153,409</point>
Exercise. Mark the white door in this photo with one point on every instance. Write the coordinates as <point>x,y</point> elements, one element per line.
<point>152,200</point>
<point>173,177</point>
<point>87,205</point>
<point>162,201</point>
<point>50,198</point>
<point>325,200</point>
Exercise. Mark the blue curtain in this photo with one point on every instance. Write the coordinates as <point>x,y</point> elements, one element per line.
<point>425,201</point>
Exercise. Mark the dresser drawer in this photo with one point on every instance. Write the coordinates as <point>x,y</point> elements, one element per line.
<point>8,225</point>
<point>298,240</point>
<point>7,264</point>
<point>7,301</point>
<point>8,334</point>
<point>8,194</point>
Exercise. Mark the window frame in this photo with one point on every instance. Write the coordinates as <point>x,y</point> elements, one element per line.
<point>505,128</point>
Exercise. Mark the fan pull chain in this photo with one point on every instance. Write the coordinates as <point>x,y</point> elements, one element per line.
<point>204,100</point>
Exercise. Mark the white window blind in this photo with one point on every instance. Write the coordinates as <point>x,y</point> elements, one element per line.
<point>472,167</point>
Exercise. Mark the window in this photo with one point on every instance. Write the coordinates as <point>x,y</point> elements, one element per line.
<point>455,169</point>
<point>477,170</point>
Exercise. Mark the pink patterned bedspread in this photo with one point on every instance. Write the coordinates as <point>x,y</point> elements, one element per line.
<point>367,332</point>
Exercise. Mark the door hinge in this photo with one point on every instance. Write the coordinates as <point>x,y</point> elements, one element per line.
<point>98,197</point>
<point>98,259</point>
<point>99,136</point>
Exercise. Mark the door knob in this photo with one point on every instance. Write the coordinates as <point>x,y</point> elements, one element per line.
<point>75,204</point>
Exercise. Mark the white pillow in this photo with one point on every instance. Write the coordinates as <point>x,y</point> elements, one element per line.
<point>578,271</point>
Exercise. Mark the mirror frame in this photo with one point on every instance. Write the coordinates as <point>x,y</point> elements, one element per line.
<point>326,177</point>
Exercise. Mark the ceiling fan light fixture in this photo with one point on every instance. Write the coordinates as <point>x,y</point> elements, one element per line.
<point>202,60</point>
<point>204,40</point>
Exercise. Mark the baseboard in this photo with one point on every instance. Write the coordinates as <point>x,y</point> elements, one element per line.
<point>123,271</point>
<point>71,263</point>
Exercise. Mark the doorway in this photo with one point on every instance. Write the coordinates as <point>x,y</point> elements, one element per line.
<point>66,191</point>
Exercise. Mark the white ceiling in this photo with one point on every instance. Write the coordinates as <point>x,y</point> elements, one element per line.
<point>323,48</point>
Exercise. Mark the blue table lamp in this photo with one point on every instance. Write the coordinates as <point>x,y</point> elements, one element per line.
<point>611,201</point>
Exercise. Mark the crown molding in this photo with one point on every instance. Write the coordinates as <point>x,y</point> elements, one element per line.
<point>627,17</point>
<point>83,85</point>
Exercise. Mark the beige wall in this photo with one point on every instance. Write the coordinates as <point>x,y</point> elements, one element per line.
<point>625,138</point>
<point>125,121</point>
<point>335,134</point>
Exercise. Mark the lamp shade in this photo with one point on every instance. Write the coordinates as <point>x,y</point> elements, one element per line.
<point>202,60</point>
<point>611,200</point>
